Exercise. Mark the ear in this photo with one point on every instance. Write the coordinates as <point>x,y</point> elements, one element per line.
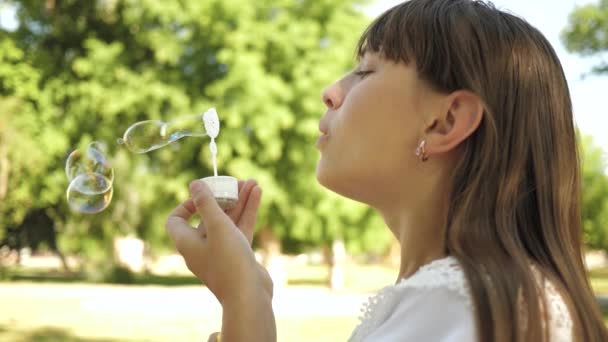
<point>459,116</point>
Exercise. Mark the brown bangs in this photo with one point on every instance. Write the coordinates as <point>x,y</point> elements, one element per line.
<point>389,35</point>
<point>435,35</point>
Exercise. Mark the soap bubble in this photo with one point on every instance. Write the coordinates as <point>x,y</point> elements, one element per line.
<point>90,193</point>
<point>92,160</point>
<point>149,135</point>
<point>145,136</point>
<point>90,178</point>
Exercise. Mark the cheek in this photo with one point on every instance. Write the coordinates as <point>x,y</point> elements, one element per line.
<point>363,168</point>
<point>370,144</point>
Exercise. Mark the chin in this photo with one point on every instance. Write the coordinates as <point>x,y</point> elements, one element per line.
<point>341,184</point>
<point>322,176</point>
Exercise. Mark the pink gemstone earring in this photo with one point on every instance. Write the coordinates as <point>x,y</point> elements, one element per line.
<point>421,151</point>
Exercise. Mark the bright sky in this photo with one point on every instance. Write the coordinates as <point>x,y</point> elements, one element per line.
<point>551,17</point>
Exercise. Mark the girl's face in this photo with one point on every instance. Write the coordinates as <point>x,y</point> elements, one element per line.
<point>373,124</point>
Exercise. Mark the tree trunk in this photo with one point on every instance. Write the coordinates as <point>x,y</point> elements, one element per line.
<point>335,259</point>
<point>4,170</point>
<point>394,253</point>
<point>64,262</point>
<point>272,258</point>
<point>129,253</point>
<point>2,268</point>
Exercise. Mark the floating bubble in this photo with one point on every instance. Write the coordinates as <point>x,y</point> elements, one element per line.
<point>145,136</point>
<point>149,135</point>
<point>90,176</point>
<point>90,193</point>
<point>92,161</point>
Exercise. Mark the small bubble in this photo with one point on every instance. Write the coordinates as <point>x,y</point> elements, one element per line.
<point>93,161</point>
<point>89,193</point>
<point>98,146</point>
<point>90,178</point>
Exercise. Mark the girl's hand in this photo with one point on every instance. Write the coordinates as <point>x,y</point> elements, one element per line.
<point>218,251</point>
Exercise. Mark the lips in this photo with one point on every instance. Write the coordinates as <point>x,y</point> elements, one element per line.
<point>322,140</point>
<point>324,129</point>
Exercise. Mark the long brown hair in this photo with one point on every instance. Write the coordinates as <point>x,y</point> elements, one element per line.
<point>515,200</point>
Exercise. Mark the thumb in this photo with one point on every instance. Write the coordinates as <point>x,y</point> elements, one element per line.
<point>185,238</point>
<point>206,205</point>
<point>215,337</point>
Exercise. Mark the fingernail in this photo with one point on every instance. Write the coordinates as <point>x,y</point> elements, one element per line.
<point>195,185</point>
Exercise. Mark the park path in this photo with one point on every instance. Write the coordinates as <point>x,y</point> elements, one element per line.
<point>288,301</point>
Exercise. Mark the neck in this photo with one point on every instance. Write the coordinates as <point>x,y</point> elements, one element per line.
<point>420,229</point>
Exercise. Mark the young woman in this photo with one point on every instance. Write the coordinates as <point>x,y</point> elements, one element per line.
<point>457,127</point>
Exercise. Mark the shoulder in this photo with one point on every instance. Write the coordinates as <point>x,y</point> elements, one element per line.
<point>433,304</point>
<point>442,274</point>
<point>555,310</point>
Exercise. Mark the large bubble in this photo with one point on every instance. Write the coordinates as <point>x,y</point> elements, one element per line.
<point>90,193</point>
<point>90,178</point>
<point>149,135</point>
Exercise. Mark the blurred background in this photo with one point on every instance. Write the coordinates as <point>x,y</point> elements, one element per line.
<point>73,72</point>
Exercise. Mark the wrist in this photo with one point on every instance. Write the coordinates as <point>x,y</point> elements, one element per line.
<point>249,296</point>
<point>249,317</point>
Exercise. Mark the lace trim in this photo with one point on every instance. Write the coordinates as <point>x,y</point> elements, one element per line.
<point>448,273</point>
<point>560,321</point>
<point>445,272</point>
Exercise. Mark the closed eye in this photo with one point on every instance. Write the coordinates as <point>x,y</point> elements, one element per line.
<point>362,73</point>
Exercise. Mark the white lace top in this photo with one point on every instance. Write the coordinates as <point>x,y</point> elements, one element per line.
<point>435,304</point>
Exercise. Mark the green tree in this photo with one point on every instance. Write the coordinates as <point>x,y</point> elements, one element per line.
<point>595,195</point>
<point>587,32</point>
<point>93,68</point>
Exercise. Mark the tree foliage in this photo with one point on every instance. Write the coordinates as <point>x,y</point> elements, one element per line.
<point>78,71</point>
<point>595,195</point>
<point>587,35</point>
<point>587,32</point>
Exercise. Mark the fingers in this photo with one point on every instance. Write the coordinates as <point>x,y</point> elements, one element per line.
<point>215,337</point>
<point>179,217</point>
<point>182,234</point>
<point>211,213</point>
<point>244,192</point>
<point>184,211</point>
<point>250,213</point>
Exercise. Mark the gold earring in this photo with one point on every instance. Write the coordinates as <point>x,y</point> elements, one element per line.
<point>421,151</point>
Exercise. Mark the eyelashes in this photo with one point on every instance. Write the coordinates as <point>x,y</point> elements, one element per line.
<point>362,73</point>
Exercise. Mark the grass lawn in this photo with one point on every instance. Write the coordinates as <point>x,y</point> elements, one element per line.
<point>172,308</point>
<point>358,278</point>
<point>322,329</point>
<point>98,313</point>
<point>42,305</point>
<point>599,281</point>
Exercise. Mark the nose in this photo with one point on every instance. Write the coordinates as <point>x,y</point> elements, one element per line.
<point>333,96</point>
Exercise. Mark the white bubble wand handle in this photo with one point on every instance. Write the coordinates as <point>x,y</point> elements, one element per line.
<point>212,127</point>
<point>213,148</point>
